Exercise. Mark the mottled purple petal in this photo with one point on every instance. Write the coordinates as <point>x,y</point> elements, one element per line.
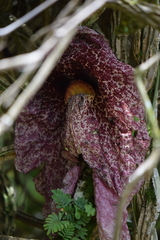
<point>71,179</point>
<point>109,129</point>
<point>112,154</point>
<point>106,204</point>
<point>37,140</point>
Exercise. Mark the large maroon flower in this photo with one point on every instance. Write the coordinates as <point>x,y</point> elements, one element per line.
<point>107,128</point>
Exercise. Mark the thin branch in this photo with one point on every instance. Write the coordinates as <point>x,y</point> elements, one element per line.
<point>7,119</point>
<point>147,64</point>
<point>84,14</point>
<point>144,169</point>
<point>61,19</point>
<point>151,162</point>
<point>37,56</point>
<point>156,91</point>
<point>138,11</point>
<point>145,98</point>
<point>27,17</point>
<point>29,219</point>
<point>67,9</point>
<point>149,109</point>
<point>61,39</point>
<point>29,59</point>
<point>14,88</point>
<point>12,91</point>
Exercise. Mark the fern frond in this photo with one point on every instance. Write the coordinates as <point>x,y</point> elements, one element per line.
<point>82,233</point>
<point>54,217</point>
<point>83,220</point>
<point>60,198</point>
<point>69,216</point>
<point>71,222</point>
<point>54,223</point>
<point>69,209</point>
<point>68,232</point>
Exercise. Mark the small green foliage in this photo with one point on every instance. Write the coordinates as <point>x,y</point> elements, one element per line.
<point>90,210</point>
<point>80,202</point>
<point>71,222</point>
<point>136,119</point>
<point>68,232</point>
<point>54,223</point>
<point>134,133</point>
<point>150,131</point>
<point>60,198</point>
<point>128,25</point>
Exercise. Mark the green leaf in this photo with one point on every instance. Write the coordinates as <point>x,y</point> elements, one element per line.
<point>83,220</point>
<point>136,119</point>
<point>77,212</point>
<point>90,210</point>
<point>54,223</point>
<point>72,221</point>
<point>82,233</point>
<point>67,233</point>
<point>60,198</point>
<point>69,216</point>
<point>69,209</point>
<point>80,202</point>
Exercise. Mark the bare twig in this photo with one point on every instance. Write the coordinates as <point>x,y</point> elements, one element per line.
<point>29,59</point>
<point>38,55</point>
<point>29,219</point>
<point>85,13</point>
<point>156,91</point>
<point>138,11</point>
<point>135,9</point>
<point>151,162</point>
<point>61,19</point>
<point>61,39</point>
<point>13,26</point>
<point>145,98</point>
<point>7,119</point>
<point>147,64</point>
<point>12,91</point>
<point>14,88</point>
<point>35,57</point>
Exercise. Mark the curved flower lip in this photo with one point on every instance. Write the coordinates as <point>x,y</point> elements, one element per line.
<point>89,56</point>
<point>41,125</point>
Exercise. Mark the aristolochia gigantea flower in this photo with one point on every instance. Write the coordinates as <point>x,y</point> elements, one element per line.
<point>90,106</point>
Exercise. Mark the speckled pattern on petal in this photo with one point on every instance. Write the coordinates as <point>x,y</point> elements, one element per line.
<point>112,113</point>
<point>37,140</point>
